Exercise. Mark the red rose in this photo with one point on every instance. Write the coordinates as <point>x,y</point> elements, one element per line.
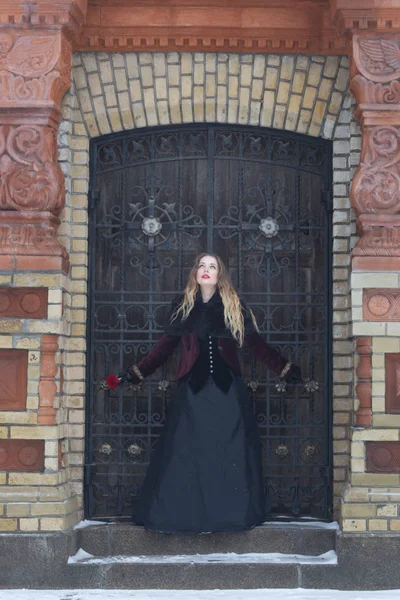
<point>112,381</point>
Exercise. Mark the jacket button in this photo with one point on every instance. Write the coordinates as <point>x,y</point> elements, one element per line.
<point>219,347</point>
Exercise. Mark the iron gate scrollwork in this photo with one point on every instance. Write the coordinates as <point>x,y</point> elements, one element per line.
<point>260,199</point>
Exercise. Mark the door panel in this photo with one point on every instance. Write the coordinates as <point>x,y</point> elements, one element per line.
<point>258,198</point>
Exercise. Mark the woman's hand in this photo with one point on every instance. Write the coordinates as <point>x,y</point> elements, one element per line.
<point>111,382</point>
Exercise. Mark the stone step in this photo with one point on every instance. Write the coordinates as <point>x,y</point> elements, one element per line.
<point>239,571</point>
<point>312,538</point>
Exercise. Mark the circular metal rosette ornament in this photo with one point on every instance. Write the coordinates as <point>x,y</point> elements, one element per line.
<point>281,386</point>
<point>311,386</point>
<point>134,450</point>
<point>282,451</point>
<point>105,449</point>
<point>310,451</point>
<point>163,385</point>
<point>151,226</point>
<point>253,385</point>
<point>269,227</point>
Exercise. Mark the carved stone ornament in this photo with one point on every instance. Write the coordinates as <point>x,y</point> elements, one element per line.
<point>378,238</point>
<point>68,15</point>
<point>34,67</point>
<point>376,184</point>
<point>381,304</point>
<point>30,176</point>
<point>35,70</point>
<point>21,455</point>
<point>25,303</point>
<point>378,59</point>
<point>383,457</point>
<point>371,92</point>
<point>375,190</point>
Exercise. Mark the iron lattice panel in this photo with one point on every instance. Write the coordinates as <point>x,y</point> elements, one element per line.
<point>260,199</point>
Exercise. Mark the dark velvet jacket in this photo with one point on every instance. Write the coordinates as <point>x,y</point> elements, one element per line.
<point>185,332</point>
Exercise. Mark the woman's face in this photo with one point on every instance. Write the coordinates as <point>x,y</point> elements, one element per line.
<point>207,272</point>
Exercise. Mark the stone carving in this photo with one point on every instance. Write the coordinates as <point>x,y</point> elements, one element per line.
<point>13,379</point>
<point>383,457</point>
<point>26,303</point>
<point>378,305</point>
<point>28,55</point>
<point>21,455</point>
<point>369,91</point>
<point>376,184</point>
<point>34,67</point>
<point>364,383</point>
<point>47,384</point>
<point>381,304</point>
<point>377,59</point>
<point>378,241</point>
<point>28,240</point>
<point>375,191</point>
<point>30,176</point>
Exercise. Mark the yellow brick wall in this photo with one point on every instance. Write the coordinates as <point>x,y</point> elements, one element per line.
<point>371,501</point>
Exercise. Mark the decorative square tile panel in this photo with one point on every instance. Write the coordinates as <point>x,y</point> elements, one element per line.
<point>13,379</point>
<point>392,382</point>
<point>25,303</point>
<point>21,455</point>
<point>381,304</point>
<point>383,457</point>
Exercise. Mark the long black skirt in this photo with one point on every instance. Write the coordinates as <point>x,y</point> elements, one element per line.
<point>205,474</point>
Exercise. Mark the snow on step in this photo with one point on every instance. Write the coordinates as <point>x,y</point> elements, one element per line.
<point>303,523</point>
<point>328,558</point>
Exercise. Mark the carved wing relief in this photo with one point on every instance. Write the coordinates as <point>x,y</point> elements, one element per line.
<point>33,56</point>
<point>377,59</point>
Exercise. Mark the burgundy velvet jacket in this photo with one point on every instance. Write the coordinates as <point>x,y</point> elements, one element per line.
<point>185,332</point>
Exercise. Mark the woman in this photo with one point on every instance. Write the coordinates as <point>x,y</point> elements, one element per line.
<point>206,474</point>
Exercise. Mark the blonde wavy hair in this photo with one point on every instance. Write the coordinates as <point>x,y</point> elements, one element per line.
<point>233,315</point>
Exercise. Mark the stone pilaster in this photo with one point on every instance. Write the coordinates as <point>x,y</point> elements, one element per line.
<point>35,72</point>
<point>370,501</point>
<point>35,68</point>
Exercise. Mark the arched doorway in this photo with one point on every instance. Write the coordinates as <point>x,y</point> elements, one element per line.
<point>259,198</point>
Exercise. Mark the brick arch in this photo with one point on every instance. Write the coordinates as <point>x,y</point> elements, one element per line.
<point>112,92</point>
<point>295,93</point>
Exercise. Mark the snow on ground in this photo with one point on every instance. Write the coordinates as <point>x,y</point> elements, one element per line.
<point>304,522</point>
<point>298,594</point>
<point>87,523</point>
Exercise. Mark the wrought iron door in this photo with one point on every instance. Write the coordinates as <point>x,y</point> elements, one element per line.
<point>260,199</point>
